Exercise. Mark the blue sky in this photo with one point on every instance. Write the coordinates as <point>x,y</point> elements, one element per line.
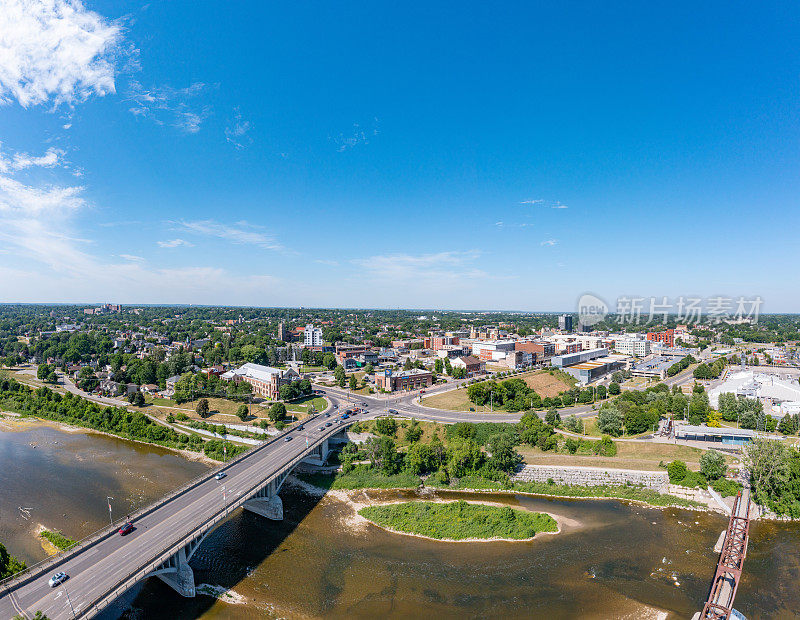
<point>461,155</point>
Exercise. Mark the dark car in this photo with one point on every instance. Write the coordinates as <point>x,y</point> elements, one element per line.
<point>392,410</point>
<point>348,412</point>
<point>126,529</point>
<point>327,415</point>
<point>301,427</point>
<point>322,428</point>
<point>328,424</point>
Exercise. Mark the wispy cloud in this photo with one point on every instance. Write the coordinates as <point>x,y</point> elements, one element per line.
<point>358,135</point>
<point>434,266</point>
<point>132,257</point>
<point>549,242</point>
<point>55,50</point>
<point>20,161</point>
<point>240,233</point>
<point>174,243</point>
<point>325,261</point>
<point>545,203</point>
<point>236,133</point>
<point>164,105</point>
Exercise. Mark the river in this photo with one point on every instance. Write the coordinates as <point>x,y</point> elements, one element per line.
<point>612,560</point>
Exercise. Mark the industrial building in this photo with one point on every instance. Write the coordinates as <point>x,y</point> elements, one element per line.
<point>723,434</point>
<point>586,372</point>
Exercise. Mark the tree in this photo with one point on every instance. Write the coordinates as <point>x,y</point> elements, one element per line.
<point>438,365</point>
<point>386,426</point>
<point>712,465</point>
<point>353,383</point>
<point>138,399</point>
<point>329,361</point>
<point>202,408</point>
<point>42,371</point>
<point>369,369</point>
<point>52,377</point>
<point>609,421</point>
<point>553,418</point>
<point>9,565</point>
<point>277,412</point>
<point>601,392</point>
<point>242,412</point>
<point>340,376</point>
<point>767,460</point>
<point>501,447</point>
<point>413,433</point>
<point>613,388</point>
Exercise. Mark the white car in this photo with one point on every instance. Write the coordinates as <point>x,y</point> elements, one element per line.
<point>220,475</point>
<point>57,579</point>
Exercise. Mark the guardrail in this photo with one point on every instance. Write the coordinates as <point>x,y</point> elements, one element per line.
<point>36,570</point>
<point>103,600</point>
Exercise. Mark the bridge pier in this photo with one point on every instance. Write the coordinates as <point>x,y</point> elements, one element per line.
<point>176,572</point>
<point>266,502</point>
<point>318,455</point>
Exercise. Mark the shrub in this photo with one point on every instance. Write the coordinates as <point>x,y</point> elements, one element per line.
<point>677,471</point>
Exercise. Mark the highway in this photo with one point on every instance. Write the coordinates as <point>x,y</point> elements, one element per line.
<point>101,566</point>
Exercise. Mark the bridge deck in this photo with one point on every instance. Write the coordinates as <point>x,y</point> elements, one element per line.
<point>97,570</point>
<point>719,605</point>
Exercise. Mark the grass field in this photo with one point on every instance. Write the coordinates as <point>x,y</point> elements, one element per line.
<point>453,400</point>
<point>630,455</point>
<point>429,429</point>
<point>460,520</point>
<point>302,406</point>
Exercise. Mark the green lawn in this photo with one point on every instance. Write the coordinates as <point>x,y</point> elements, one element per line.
<point>460,520</point>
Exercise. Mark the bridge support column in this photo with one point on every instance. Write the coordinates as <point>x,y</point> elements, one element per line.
<point>319,454</point>
<point>181,579</point>
<point>267,502</point>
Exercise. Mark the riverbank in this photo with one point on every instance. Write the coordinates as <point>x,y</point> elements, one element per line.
<point>16,422</point>
<point>459,521</point>
<point>358,480</point>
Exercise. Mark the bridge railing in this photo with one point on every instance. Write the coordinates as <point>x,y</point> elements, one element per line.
<point>103,600</point>
<point>36,570</point>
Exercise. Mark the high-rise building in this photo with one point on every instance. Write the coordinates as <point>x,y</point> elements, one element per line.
<point>565,322</point>
<point>281,332</point>
<point>312,336</point>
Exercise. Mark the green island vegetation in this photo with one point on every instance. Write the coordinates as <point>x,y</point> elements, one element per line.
<point>9,565</point>
<point>58,539</point>
<point>459,520</point>
<point>70,409</point>
<point>39,615</point>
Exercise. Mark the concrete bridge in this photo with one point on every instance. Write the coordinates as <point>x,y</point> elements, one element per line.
<point>167,533</point>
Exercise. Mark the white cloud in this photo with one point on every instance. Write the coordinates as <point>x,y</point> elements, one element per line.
<point>439,266</point>
<point>535,201</point>
<point>174,243</point>
<point>241,233</point>
<point>50,159</point>
<point>357,136</point>
<point>55,49</point>
<point>132,257</point>
<point>545,203</point>
<point>558,205</point>
<point>236,133</point>
<point>549,242</point>
<point>166,105</point>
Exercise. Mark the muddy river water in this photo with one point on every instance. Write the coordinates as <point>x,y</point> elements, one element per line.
<point>611,560</point>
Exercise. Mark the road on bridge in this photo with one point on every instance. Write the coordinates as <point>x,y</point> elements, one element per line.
<point>101,566</point>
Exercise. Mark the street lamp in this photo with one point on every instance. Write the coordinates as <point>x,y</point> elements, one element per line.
<point>108,499</point>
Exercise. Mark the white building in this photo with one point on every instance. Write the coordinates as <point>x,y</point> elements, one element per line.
<point>783,393</point>
<point>312,336</point>
<point>632,346</point>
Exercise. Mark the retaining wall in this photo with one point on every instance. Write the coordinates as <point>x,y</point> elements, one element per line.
<point>591,476</point>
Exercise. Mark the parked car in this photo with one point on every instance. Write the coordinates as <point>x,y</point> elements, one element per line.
<point>220,475</point>
<point>56,579</point>
<point>126,529</point>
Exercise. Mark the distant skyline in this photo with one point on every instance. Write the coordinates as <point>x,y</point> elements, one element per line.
<point>362,155</point>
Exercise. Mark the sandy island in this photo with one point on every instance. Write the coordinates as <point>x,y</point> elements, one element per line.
<point>357,499</point>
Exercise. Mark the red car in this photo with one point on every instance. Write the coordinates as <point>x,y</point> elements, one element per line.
<point>125,529</point>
